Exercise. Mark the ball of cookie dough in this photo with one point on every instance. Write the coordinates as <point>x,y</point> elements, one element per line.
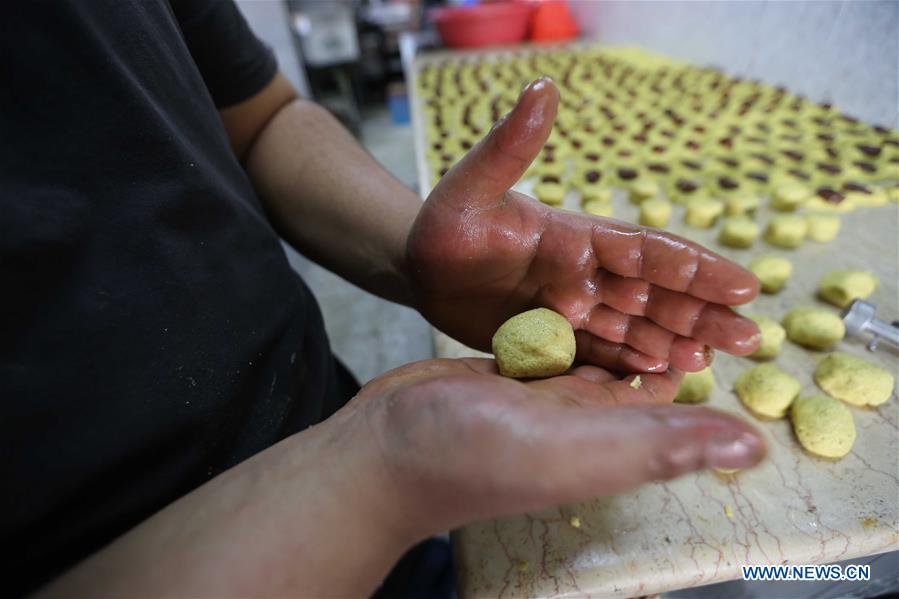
<point>643,189</point>
<point>595,193</point>
<point>786,230</point>
<point>741,204</point>
<point>772,271</point>
<point>536,343</point>
<point>812,327</point>
<point>599,208</point>
<point>738,232</point>
<point>766,390</point>
<point>550,192</point>
<point>703,212</point>
<point>822,227</point>
<point>854,380</point>
<point>773,336</point>
<point>789,196</point>
<point>840,287</point>
<point>655,212</point>
<point>823,425</point>
<point>695,387</point>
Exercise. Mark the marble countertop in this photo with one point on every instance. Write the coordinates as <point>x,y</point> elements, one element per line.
<point>794,508</point>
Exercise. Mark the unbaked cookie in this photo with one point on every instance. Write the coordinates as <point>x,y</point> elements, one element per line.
<point>786,230</point>
<point>536,343</point>
<point>823,425</point>
<point>773,336</point>
<point>766,390</point>
<point>813,327</point>
<point>695,387</point>
<point>772,271</point>
<point>854,380</point>
<point>840,287</point>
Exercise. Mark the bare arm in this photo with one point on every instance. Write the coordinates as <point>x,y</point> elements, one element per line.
<point>307,517</point>
<point>325,195</point>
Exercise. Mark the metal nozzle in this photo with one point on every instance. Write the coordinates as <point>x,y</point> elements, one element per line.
<point>860,317</point>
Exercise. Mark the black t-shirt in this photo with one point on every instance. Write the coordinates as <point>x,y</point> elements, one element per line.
<point>153,333</point>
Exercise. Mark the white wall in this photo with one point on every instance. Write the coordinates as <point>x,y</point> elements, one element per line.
<point>846,52</point>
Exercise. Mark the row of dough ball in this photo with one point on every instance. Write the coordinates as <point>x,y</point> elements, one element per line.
<point>822,423</point>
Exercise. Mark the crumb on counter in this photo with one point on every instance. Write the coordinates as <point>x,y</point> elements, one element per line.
<point>729,511</point>
<point>636,383</point>
<point>574,522</point>
<point>522,565</point>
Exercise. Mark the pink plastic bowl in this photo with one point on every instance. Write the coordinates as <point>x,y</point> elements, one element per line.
<point>491,24</point>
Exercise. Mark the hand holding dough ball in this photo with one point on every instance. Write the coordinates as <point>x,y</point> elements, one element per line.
<point>738,232</point>
<point>840,287</point>
<point>789,196</point>
<point>854,380</point>
<point>695,387</point>
<point>655,212</point>
<point>786,230</point>
<point>773,336</point>
<point>822,227</point>
<point>823,425</point>
<point>703,212</point>
<point>812,327</point>
<point>766,390</point>
<point>599,208</point>
<point>534,344</point>
<point>772,271</point>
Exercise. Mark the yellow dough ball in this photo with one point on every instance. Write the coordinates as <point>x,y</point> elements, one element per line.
<point>695,387</point>
<point>741,204</point>
<point>590,192</point>
<point>823,425</point>
<point>773,336</point>
<point>536,343</point>
<point>812,327</point>
<point>738,232</point>
<point>599,208</point>
<point>789,196</point>
<point>822,227</point>
<point>550,192</point>
<point>786,230</point>
<point>854,380</point>
<point>772,271</point>
<point>766,390</point>
<point>643,189</point>
<point>703,212</point>
<point>840,287</point>
<point>655,212</point>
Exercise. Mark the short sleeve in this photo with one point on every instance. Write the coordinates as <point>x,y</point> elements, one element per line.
<point>234,63</point>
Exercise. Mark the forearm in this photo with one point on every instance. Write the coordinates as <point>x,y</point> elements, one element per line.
<point>332,201</point>
<point>306,517</point>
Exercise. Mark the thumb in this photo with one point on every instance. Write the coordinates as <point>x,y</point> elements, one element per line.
<point>498,161</point>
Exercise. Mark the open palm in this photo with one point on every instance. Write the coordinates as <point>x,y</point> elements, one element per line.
<point>640,299</point>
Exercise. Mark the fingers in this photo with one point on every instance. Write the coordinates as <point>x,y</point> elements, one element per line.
<point>671,262</point>
<point>498,161</point>
<point>648,337</point>
<point>614,356</point>
<point>602,451</point>
<point>680,313</point>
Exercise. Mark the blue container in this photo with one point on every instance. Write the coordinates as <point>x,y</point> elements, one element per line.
<point>398,104</point>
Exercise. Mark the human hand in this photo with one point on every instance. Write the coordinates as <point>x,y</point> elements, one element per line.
<point>639,299</point>
<point>457,443</point>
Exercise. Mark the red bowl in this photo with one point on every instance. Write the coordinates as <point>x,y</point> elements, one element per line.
<point>490,24</point>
